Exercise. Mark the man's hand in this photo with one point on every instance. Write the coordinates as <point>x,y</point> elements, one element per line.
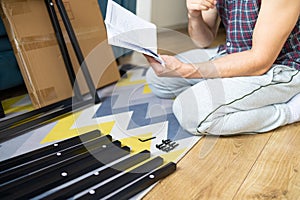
<point>173,67</point>
<point>203,21</point>
<point>196,6</point>
<point>169,69</point>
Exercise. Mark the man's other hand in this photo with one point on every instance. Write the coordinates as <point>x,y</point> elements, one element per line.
<point>196,6</point>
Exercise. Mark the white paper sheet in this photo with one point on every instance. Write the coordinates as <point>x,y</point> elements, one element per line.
<point>125,29</point>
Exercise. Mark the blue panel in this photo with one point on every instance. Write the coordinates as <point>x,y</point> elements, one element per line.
<point>5,44</point>
<point>2,29</point>
<point>129,5</point>
<point>103,5</point>
<point>10,75</point>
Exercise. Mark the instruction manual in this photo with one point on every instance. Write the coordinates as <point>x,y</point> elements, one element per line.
<point>125,29</point>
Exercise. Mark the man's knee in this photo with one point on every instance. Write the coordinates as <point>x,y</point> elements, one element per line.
<point>186,110</point>
<point>193,119</point>
<point>151,76</point>
<point>196,115</point>
<point>157,85</point>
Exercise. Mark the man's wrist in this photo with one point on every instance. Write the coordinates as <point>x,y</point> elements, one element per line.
<point>189,70</point>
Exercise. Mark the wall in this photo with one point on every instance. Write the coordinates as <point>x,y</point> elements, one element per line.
<point>164,13</point>
<point>143,9</point>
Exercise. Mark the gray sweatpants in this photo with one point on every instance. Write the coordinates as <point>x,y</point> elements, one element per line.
<point>225,106</point>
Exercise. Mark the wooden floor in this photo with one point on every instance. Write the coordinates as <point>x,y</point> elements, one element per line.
<point>262,166</point>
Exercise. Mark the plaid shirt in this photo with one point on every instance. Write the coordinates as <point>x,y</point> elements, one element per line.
<point>239,18</point>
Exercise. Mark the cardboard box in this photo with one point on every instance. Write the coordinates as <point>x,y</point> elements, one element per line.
<point>33,39</point>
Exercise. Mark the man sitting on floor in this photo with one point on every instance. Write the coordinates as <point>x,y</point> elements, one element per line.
<point>252,84</point>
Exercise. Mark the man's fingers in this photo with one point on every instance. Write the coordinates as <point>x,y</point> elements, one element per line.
<point>157,67</point>
<point>201,5</point>
<point>150,59</point>
<point>208,4</point>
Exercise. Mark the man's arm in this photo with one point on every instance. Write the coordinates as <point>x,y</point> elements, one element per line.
<point>203,21</point>
<point>276,20</point>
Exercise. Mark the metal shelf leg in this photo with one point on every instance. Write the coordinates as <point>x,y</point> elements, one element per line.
<point>2,114</point>
<point>77,49</point>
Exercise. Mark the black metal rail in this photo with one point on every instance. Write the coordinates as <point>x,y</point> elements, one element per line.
<point>143,183</point>
<point>63,49</point>
<point>52,159</point>
<point>77,49</point>
<point>106,189</point>
<point>101,176</point>
<point>7,123</point>
<point>2,114</point>
<point>40,119</point>
<point>45,151</point>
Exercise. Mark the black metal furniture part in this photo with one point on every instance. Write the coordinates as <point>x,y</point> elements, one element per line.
<point>106,173</point>
<point>63,49</point>
<point>6,123</point>
<point>42,152</point>
<point>78,52</point>
<point>126,178</point>
<point>142,183</point>
<point>90,166</point>
<point>52,159</point>
<point>2,114</point>
<point>39,120</point>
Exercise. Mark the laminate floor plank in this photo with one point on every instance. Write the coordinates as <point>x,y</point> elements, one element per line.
<point>218,175</point>
<point>276,174</point>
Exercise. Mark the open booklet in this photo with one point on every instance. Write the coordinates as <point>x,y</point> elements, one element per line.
<point>125,29</point>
